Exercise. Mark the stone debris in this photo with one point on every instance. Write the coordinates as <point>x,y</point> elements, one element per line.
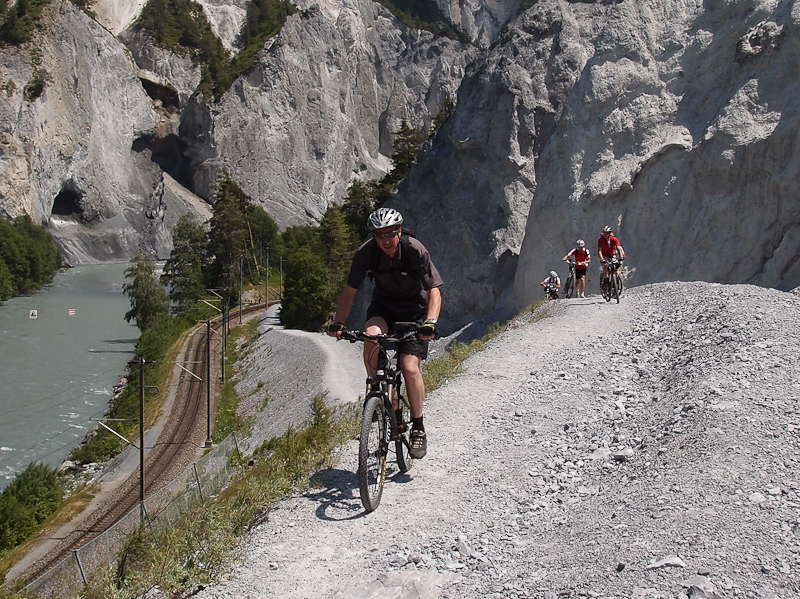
<point>704,505</point>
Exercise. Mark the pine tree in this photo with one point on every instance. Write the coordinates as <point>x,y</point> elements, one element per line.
<point>309,294</point>
<point>358,205</point>
<point>339,242</point>
<point>149,301</point>
<point>406,146</point>
<point>184,271</point>
<point>230,233</point>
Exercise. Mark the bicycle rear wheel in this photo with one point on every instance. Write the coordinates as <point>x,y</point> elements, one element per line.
<point>372,451</point>
<point>569,287</point>
<point>401,446</point>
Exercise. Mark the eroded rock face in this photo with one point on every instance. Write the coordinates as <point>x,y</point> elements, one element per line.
<point>320,108</point>
<point>681,133</point>
<point>117,15</point>
<point>481,20</point>
<point>470,194</point>
<point>70,146</point>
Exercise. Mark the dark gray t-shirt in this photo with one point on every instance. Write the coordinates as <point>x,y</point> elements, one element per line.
<point>394,287</point>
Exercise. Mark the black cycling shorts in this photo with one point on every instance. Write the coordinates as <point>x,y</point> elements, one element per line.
<point>580,273</point>
<point>415,347</point>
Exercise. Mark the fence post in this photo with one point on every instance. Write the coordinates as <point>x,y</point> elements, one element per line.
<point>80,565</point>
<point>197,478</point>
<point>146,516</point>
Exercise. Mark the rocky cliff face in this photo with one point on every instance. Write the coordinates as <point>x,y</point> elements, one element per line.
<point>482,20</point>
<point>319,109</point>
<point>680,132</point>
<point>310,117</point>
<point>674,121</point>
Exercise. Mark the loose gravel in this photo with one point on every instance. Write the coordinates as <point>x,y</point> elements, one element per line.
<point>641,450</point>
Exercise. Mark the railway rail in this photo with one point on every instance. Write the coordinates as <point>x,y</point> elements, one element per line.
<point>176,448</point>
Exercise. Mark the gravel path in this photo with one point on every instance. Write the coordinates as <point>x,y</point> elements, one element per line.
<point>646,450</point>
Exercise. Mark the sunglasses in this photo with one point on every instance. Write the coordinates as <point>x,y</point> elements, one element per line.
<point>389,235</point>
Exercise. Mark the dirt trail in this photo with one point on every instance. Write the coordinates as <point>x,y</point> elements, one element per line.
<point>646,450</point>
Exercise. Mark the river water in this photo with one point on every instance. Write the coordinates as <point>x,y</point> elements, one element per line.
<point>58,370</point>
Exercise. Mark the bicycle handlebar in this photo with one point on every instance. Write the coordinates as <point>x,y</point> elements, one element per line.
<point>405,331</point>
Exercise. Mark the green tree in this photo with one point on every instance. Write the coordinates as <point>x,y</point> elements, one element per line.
<point>309,294</point>
<point>443,114</point>
<point>6,282</point>
<point>406,146</point>
<point>149,300</point>
<point>339,242</point>
<point>188,261</point>
<point>29,256</point>
<point>230,232</point>
<point>300,236</point>
<point>358,204</point>
<point>266,233</point>
<point>26,502</point>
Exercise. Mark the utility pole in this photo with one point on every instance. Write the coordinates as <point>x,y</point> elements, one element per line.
<point>281,287</point>
<point>208,384</point>
<point>142,387</point>
<point>141,438</point>
<point>240,289</point>
<point>225,315</point>
<point>266,303</point>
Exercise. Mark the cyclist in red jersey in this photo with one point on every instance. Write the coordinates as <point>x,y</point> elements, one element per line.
<point>607,247</point>
<point>582,260</point>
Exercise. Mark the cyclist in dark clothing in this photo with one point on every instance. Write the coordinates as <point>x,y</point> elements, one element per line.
<point>406,289</point>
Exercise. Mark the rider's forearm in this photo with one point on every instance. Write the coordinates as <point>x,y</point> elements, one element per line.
<point>345,304</point>
<point>434,303</point>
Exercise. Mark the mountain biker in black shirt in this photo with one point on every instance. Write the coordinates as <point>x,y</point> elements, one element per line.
<point>406,289</point>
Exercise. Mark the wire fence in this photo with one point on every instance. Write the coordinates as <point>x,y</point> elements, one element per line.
<point>199,482</point>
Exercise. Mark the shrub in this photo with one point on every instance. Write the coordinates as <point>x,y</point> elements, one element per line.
<point>27,502</point>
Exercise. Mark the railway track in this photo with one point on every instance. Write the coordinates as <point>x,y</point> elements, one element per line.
<point>176,448</point>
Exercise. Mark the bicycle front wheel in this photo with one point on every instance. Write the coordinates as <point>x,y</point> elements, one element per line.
<point>615,287</point>
<point>605,289</point>
<point>569,287</point>
<point>372,450</point>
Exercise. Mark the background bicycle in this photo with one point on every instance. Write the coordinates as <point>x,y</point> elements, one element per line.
<point>611,288</point>
<point>569,285</point>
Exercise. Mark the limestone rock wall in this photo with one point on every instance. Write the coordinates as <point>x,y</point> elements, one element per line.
<point>320,107</point>
<point>482,20</point>
<point>70,147</point>
<point>470,194</point>
<point>682,133</point>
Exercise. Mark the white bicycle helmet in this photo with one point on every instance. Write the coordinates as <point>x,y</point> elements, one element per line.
<point>580,243</point>
<point>606,229</point>
<point>384,217</point>
<point>553,274</point>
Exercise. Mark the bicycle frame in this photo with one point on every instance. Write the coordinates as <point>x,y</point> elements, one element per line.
<point>379,422</point>
<point>388,377</point>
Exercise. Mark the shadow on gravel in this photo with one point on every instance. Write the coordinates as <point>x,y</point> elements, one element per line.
<point>338,499</point>
<point>339,496</point>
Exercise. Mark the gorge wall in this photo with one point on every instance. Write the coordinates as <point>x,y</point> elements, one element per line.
<point>675,121</point>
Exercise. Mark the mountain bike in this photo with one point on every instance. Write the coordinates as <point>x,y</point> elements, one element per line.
<point>611,287</point>
<point>550,291</point>
<point>379,424</point>
<point>569,286</point>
